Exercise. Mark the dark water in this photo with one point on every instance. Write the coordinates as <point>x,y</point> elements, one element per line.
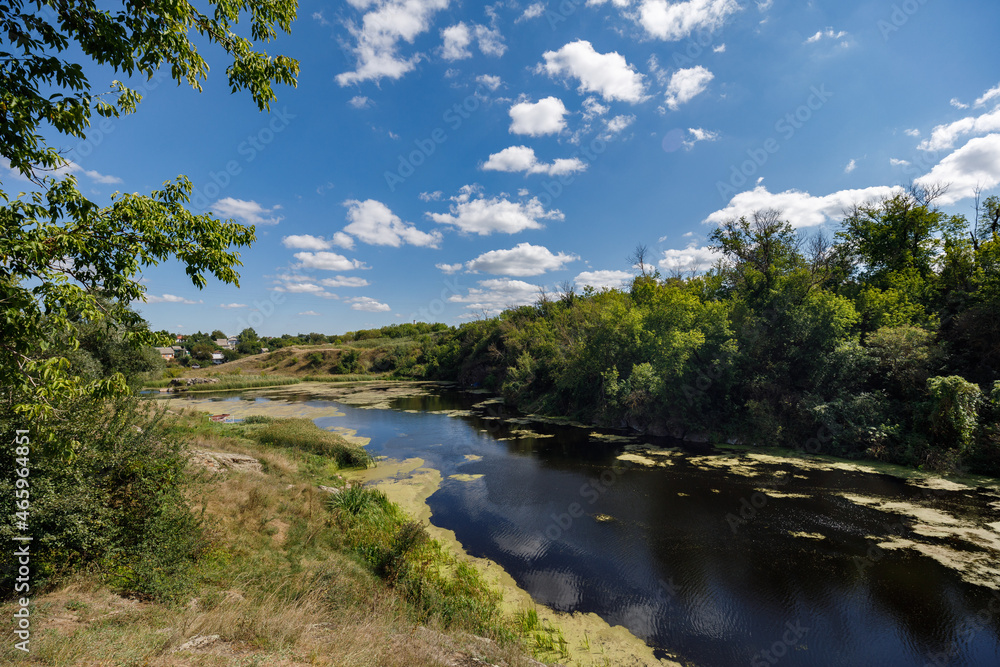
<point>673,564</point>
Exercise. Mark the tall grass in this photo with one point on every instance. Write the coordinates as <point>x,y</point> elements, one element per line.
<point>304,435</point>
<point>230,382</point>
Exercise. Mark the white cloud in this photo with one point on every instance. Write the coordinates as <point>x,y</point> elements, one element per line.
<point>456,40</point>
<point>302,287</point>
<point>829,33</point>
<point>607,74</point>
<point>697,134</point>
<point>673,21</point>
<point>944,136</point>
<point>489,81</point>
<point>977,164</point>
<point>73,168</point>
<point>899,163</point>
<point>522,158</point>
<point>957,103</point>
<point>721,48</point>
<point>691,258</point>
<point>170,298</point>
<point>309,313</point>
<point>344,281</point>
<point>492,296</point>
<point>483,216</point>
<point>247,212</point>
<point>545,116</point>
<point>686,84</point>
<point>431,196</point>
<point>306,242</point>
<point>990,94</point>
<point>490,41</point>
<point>532,11</point>
<point>368,305</point>
<point>520,261</point>
<point>912,133</point>
<point>327,261</point>
<point>450,268</point>
<point>851,166</point>
<point>372,222</point>
<point>618,124</point>
<point>231,306</point>
<point>603,279</point>
<point>382,28</point>
<point>801,209</point>
<point>359,102</point>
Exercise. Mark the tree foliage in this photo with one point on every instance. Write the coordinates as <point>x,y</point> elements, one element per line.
<point>64,259</point>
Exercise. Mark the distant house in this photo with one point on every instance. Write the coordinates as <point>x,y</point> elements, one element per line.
<point>223,343</point>
<point>218,357</point>
<point>166,352</point>
<point>179,351</point>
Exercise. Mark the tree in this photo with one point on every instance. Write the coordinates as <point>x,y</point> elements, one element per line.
<point>218,335</point>
<point>759,250</point>
<point>247,342</point>
<point>64,258</point>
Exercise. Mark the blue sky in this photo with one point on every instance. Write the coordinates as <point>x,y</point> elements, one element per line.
<point>439,160</point>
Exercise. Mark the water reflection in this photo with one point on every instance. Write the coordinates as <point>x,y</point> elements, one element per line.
<point>718,568</point>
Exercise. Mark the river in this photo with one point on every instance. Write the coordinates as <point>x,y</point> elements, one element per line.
<point>713,557</point>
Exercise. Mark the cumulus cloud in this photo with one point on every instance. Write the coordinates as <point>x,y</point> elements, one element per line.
<point>489,81</point>
<point>607,74</point>
<point>522,158</point>
<point>326,261</point>
<point>686,84</point>
<point>898,163</point>
<point>473,213</point>
<point>359,102</point>
<point>309,313</point>
<point>306,242</point>
<point>944,136</point>
<point>977,164</point>
<point>301,285</point>
<point>493,295</point>
<point>456,40</point>
<point>673,21</point>
<point>449,268</point>
<point>490,41</point>
<point>546,116</point>
<point>617,125</point>
<point>169,298</point>
<point>372,222</point>
<point>385,24</point>
<point>801,209</point>
<point>696,134</point>
<point>851,166</point>
<point>231,306</point>
<point>603,279</point>
<point>520,261</point>
<point>247,212</point>
<point>691,258</point>
<point>368,305</point>
<point>532,11</point>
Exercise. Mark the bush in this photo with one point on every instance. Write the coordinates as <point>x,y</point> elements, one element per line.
<point>118,504</point>
<point>304,435</point>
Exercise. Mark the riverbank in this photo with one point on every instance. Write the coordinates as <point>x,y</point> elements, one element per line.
<point>277,582</point>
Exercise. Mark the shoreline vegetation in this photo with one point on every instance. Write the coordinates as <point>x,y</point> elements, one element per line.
<point>288,563</point>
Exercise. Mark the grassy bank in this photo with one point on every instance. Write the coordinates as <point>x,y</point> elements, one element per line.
<point>289,574</point>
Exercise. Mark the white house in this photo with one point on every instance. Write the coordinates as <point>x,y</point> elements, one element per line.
<point>218,357</point>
